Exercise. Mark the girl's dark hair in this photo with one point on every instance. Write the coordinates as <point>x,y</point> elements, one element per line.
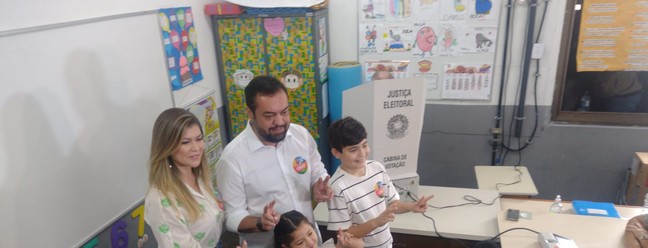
<point>288,222</point>
<point>346,132</point>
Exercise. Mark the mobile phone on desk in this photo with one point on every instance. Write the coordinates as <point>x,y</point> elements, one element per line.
<point>513,214</point>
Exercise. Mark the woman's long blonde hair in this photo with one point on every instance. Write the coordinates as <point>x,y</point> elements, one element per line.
<point>163,174</point>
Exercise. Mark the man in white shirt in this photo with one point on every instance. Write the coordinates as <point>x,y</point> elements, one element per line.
<point>270,168</point>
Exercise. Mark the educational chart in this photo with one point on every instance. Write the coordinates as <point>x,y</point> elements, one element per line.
<point>613,36</point>
<point>205,110</point>
<point>431,35</point>
<point>180,46</point>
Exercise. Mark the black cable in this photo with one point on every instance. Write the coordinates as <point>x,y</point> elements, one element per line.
<point>514,228</point>
<point>535,97</point>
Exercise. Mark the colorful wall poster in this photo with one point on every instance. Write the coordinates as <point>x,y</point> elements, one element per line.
<point>613,36</point>
<point>388,69</point>
<point>398,38</point>
<point>478,40</point>
<point>426,41</point>
<point>373,9</point>
<point>467,81</point>
<point>371,39</point>
<point>205,110</point>
<point>180,46</point>
<point>483,9</point>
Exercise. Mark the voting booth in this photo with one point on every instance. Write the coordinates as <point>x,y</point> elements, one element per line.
<point>392,112</point>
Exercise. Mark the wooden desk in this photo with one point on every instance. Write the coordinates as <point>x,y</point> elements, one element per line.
<point>586,231</point>
<point>472,222</point>
<point>488,177</point>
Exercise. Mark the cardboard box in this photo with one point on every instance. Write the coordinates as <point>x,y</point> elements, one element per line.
<point>638,181</point>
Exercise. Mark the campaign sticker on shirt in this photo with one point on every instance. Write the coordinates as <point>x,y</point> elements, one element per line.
<point>300,165</point>
<point>379,188</point>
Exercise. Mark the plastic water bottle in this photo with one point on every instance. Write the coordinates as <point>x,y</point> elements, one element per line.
<point>585,101</point>
<point>557,206</point>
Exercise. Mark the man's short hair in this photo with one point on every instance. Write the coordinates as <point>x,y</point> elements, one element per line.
<point>262,85</point>
<point>346,132</point>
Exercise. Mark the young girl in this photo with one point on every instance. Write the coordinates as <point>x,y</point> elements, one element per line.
<point>294,231</point>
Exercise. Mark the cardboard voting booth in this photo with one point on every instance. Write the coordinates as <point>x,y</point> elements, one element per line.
<point>392,112</point>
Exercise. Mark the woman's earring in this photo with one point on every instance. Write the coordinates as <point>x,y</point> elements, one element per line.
<point>170,166</point>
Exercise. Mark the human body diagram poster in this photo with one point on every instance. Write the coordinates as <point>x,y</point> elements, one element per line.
<point>613,36</point>
<point>180,46</point>
<point>433,35</point>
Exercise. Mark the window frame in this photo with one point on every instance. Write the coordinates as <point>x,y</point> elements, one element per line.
<point>600,118</point>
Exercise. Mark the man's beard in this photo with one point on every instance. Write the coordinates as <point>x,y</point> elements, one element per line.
<point>267,136</point>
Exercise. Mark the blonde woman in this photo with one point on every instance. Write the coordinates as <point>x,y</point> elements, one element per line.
<point>180,206</point>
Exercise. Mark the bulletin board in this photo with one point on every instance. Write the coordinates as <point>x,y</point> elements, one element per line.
<point>449,43</point>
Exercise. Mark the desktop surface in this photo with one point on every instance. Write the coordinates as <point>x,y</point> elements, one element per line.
<point>508,180</point>
<point>471,222</point>
<point>585,231</point>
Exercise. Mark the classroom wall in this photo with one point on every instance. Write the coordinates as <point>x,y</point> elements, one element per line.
<point>584,162</point>
<point>81,83</point>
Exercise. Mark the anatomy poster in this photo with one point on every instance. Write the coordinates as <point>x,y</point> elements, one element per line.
<point>467,81</point>
<point>180,46</point>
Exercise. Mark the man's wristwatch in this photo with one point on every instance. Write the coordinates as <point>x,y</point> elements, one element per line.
<point>259,225</point>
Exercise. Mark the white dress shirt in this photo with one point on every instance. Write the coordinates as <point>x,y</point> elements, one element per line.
<point>250,175</point>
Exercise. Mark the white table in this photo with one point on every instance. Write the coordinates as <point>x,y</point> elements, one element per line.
<point>586,231</point>
<point>473,222</point>
<point>494,178</point>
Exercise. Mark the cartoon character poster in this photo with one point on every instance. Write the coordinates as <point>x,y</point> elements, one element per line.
<point>426,40</point>
<point>398,38</point>
<point>399,10</point>
<point>373,9</point>
<point>478,40</point>
<point>467,81</point>
<point>454,10</point>
<point>483,9</point>
<point>370,42</point>
<point>387,69</point>
<point>180,46</point>
<point>449,39</point>
<point>205,110</point>
<point>427,10</point>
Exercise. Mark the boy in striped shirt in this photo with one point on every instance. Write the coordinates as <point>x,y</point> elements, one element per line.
<point>364,199</point>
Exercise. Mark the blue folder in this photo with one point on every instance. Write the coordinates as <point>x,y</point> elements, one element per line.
<point>595,208</point>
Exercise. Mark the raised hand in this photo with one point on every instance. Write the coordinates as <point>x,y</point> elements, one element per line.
<point>321,190</point>
<point>270,217</point>
<point>244,245</point>
<point>421,205</point>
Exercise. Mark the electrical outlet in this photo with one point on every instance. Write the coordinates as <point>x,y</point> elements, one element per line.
<point>407,184</point>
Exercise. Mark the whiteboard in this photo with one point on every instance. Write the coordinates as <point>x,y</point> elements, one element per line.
<point>77,106</point>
